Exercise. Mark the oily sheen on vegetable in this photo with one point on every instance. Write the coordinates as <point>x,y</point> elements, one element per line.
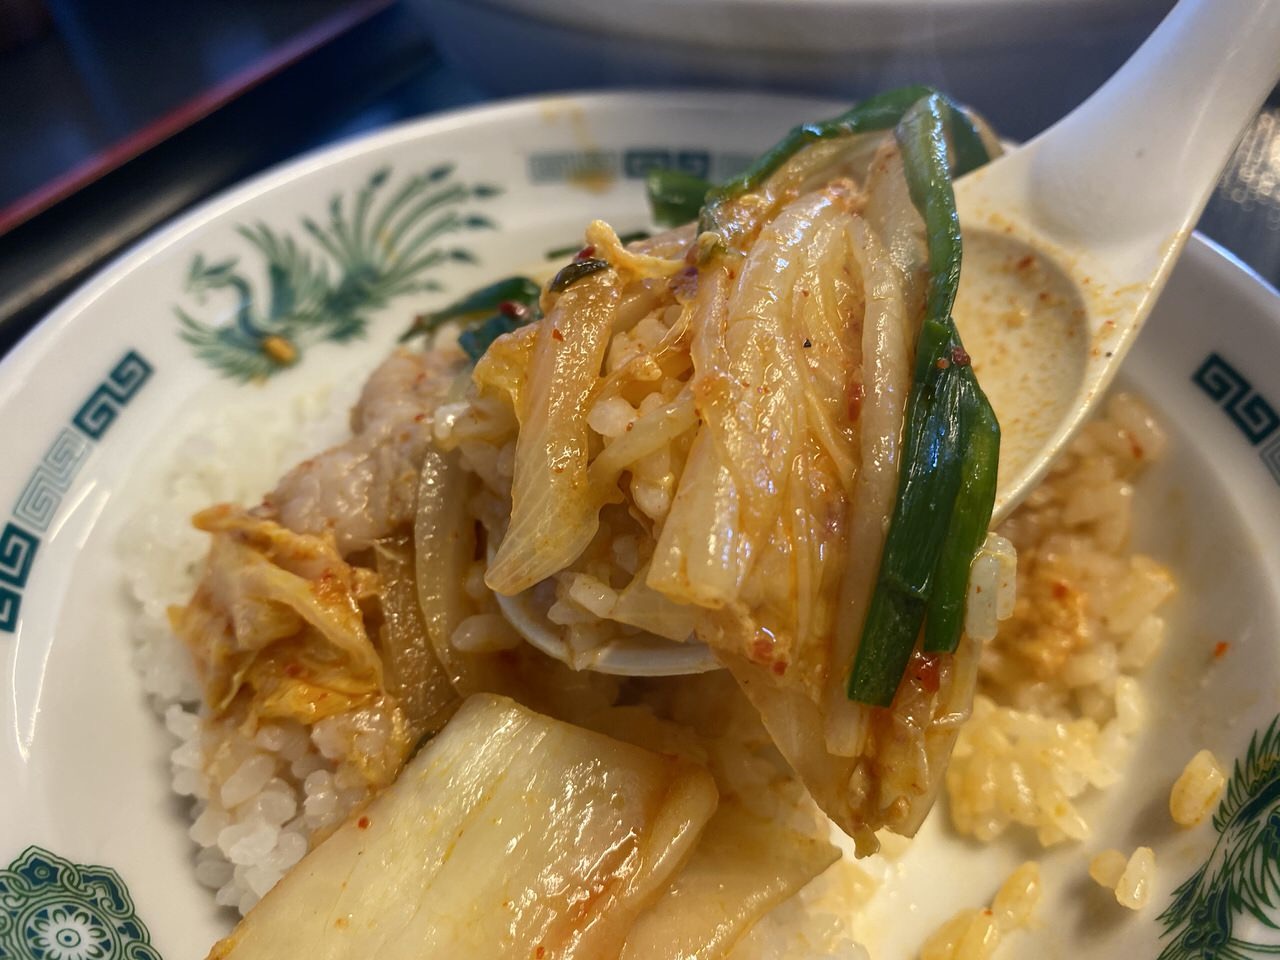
<point>757,431</point>
<point>802,449</point>
<point>515,835</point>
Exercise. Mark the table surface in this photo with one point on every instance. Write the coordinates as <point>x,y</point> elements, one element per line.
<point>382,70</point>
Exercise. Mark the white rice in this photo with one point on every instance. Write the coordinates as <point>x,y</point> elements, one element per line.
<point>975,934</point>
<point>257,802</point>
<point>1197,790</point>
<point>1060,704</point>
<point>1129,878</point>
<point>1034,746</point>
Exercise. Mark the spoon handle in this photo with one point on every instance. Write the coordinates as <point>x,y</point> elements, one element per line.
<point>1142,155</point>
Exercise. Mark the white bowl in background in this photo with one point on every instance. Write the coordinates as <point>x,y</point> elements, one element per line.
<point>1023,63</point>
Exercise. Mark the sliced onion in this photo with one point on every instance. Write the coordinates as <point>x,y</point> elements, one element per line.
<point>886,379</point>
<point>413,673</point>
<point>894,218</point>
<point>552,518</point>
<point>444,546</point>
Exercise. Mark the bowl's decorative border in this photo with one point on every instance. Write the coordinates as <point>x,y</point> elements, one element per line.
<point>53,909</point>
<point>40,499</point>
<point>1251,412</point>
<point>601,165</point>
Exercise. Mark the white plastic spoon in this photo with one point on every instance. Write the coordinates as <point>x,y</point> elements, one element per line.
<point>1069,239</point>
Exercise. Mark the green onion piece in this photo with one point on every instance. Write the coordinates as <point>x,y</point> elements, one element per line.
<point>947,483</point>
<point>486,300</point>
<point>930,478</point>
<point>944,618</point>
<point>474,341</point>
<point>880,112</point>
<point>575,272</point>
<point>968,149</point>
<point>881,662</point>
<point>675,197</point>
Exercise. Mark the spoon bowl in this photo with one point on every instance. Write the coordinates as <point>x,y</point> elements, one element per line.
<point>1070,238</point>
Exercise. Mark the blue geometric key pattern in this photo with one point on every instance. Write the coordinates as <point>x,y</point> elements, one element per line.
<point>38,502</point>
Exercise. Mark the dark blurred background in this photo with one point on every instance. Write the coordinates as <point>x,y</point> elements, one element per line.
<point>115,115</point>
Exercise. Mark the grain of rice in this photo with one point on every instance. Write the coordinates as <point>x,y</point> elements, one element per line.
<point>611,417</point>
<point>213,872</point>
<point>485,633</point>
<point>1197,790</point>
<point>1107,867</point>
<point>974,934</point>
<point>653,498</point>
<point>592,595</point>
<point>1133,889</point>
<point>626,554</point>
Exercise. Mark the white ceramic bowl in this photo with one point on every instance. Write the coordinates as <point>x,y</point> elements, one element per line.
<point>1024,63</point>
<point>100,394</point>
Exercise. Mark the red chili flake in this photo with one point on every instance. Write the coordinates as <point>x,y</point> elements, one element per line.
<point>1220,649</point>
<point>512,309</point>
<point>762,649</point>
<point>959,357</point>
<point>779,667</point>
<point>856,394</point>
<point>363,823</point>
<point>942,363</point>
<point>1060,590</point>
<point>540,952</point>
<point>293,670</point>
<point>556,334</point>
<point>927,669</point>
<point>586,253</point>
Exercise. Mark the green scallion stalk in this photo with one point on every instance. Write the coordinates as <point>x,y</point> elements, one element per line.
<point>478,303</point>
<point>929,480</point>
<point>675,197</point>
<point>475,340</point>
<point>947,483</point>
<point>970,518</point>
<point>880,112</point>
